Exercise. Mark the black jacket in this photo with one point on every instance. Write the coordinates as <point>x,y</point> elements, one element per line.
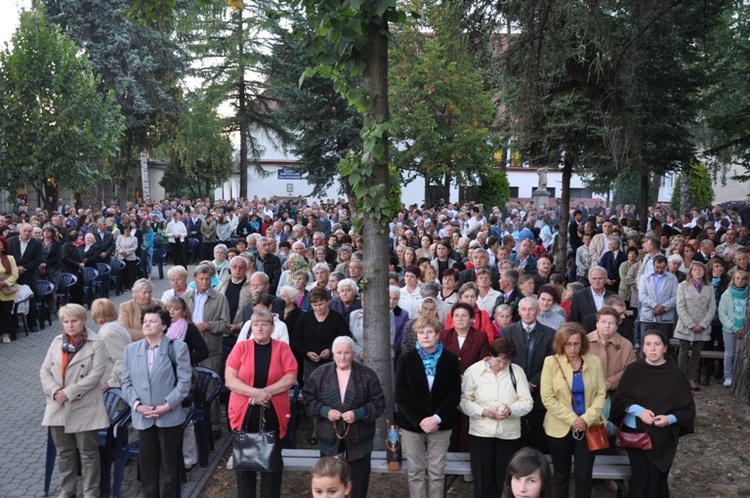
<point>414,398</point>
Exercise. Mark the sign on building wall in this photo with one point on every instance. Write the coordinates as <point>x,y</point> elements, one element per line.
<point>287,174</point>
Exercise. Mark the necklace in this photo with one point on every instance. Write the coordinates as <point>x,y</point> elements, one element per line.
<point>336,430</point>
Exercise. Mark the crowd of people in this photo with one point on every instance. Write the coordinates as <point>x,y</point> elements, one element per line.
<point>501,347</point>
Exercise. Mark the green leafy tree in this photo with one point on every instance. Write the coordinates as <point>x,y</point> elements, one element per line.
<point>440,113</point>
<point>142,66</point>
<point>554,86</point>
<point>200,155</point>
<point>724,131</point>
<point>56,124</point>
<point>227,46</point>
<point>700,189</point>
<point>493,188</point>
<point>322,128</point>
<point>658,77</point>
<point>353,42</point>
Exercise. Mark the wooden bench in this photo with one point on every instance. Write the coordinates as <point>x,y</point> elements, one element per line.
<point>615,467</point>
<point>705,354</point>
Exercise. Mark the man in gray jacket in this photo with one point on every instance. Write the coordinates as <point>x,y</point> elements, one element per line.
<point>210,313</point>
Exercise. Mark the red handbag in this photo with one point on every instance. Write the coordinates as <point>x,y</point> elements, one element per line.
<point>635,440</point>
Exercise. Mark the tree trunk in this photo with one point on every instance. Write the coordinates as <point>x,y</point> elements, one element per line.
<point>643,208</point>
<point>562,235</point>
<point>375,301</point>
<point>242,106</point>
<point>741,375</point>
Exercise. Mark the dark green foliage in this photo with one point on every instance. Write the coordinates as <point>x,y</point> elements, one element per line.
<point>200,155</point>
<point>700,188</point>
<point>322,128</point>
<point>440,113</point>
<point>142,65</point>
<point>493,189</point>
<point>56,126</point>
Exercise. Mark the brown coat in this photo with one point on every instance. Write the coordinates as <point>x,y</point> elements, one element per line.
<point>615,356</point>
<point>84,410</point>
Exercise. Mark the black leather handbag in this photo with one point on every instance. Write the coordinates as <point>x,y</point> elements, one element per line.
<point>256,451</point>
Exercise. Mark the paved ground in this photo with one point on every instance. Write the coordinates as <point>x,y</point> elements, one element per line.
<point>22,438</point>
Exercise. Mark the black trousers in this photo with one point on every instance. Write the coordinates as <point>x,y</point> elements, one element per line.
<point>532,430</point>
<point>489,459</point>
<point>270,483</point>
<point>179,253</point>
<point>160,458</point>
<point>647,481</point>
<point>561,450</point>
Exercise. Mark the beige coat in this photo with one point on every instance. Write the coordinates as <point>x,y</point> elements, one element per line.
<point>115,337</point>
<point>130,317</point>
<point>9,278</point>
<point>84,410</point>
<point>694,309</point>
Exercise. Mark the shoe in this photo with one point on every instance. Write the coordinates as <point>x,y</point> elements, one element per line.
<point>313,441</point>
<point>5,339</point>
<point>610,484</point>
<point>34,329</point>
<point>727,383</point>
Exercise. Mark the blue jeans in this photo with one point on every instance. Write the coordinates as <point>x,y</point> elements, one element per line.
<point>731,348</point>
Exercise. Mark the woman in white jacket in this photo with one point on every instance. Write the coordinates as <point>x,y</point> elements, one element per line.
<point>495,395</point>
<point>696,306</point>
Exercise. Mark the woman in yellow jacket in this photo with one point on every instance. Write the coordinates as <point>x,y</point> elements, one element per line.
<point>8,289</point>
<point>573,391</point>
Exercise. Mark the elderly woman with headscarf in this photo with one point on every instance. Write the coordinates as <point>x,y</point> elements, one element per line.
<point>294,263</point>
<point>131,311</point>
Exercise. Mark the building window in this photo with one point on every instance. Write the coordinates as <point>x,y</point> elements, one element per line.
<point>513,192</point>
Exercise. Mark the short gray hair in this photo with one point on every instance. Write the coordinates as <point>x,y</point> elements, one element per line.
<point>142,283</point>
<point>343,339</point>
<point>529,300</point>
<point>203,270</point>
<point>347,282</point>
<point>598,268</point>
<point>290,291</point>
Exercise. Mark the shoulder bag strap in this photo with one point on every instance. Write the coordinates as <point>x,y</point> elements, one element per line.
<point>570,386</point>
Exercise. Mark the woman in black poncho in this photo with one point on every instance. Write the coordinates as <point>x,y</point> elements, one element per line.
<point>654,396</point>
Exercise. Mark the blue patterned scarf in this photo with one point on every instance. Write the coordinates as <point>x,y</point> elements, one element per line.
<point>429,360</point>
<point>739,300</point>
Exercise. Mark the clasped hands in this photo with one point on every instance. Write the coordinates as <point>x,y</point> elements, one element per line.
<point>335,415</point>
<point>261,397</point>
<point>153,412</point>
<point>496,414</point>
<point>649,418</point>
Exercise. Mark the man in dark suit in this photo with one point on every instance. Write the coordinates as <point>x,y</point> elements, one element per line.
<point>533,342</point>
<point>105,240</point>
<point>27,251</point>
<point>509,294</point>
<point>575,239</point>
<point>625,325</point>
<point>591,299</point>
<point>480,259</point>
